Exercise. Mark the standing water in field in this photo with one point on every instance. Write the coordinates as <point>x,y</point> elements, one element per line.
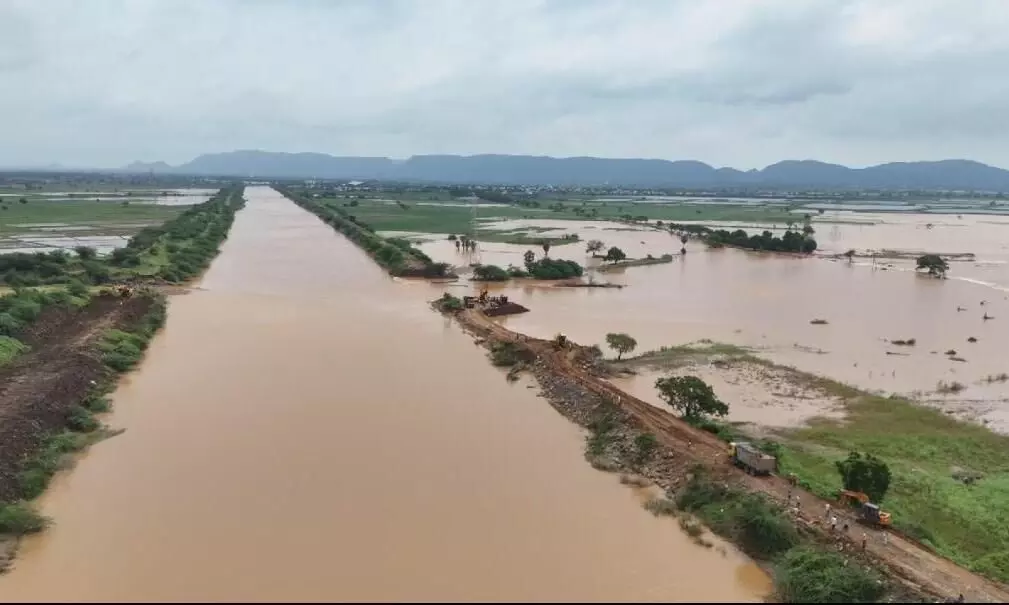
<point>305,428</point>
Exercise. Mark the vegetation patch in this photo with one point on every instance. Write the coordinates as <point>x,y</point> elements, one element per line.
<point>10,349</point>
<point>490,273</point>
<point>395,255</point>
<point>449,303</point>
<point>177,250</point>
<point>808,575</point>
<point>505,354</point>
<point>18,519</point>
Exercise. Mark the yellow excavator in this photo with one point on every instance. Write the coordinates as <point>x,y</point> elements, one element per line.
<point>869,513</point>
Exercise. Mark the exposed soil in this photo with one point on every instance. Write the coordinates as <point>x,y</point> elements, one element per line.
<point>573,381</point>
<point>40,388</point>
<point>762,395</point>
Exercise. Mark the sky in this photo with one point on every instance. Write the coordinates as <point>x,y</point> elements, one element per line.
<point>741,83</point>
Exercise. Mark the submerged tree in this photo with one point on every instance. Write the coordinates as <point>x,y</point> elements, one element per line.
<point>546,248</point>
<point>529,257</point>
<point>621,343</point>
<point>934,263</point>
<point>691,396</point>
<point>594,246</point>
<point>614,254</point>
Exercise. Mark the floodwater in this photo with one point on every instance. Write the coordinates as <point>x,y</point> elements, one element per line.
<point>767,302</point>
<point>305,428</point>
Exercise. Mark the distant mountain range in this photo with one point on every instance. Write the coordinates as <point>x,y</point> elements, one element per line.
<point>542,170</point>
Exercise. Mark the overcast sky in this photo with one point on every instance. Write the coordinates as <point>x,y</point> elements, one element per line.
<point>742,83</point>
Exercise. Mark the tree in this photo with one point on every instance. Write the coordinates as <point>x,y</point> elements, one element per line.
<point>614,254</point>
<point>934,264</point>
<point>594,246</point>
<point>621,343</point>
<point>490,273</point>
<point>691,396</point>
<point>23,200</point>
<point>85,252</point>
<point>546,248</point>
<point>529,257</point>
<point>866,474</point>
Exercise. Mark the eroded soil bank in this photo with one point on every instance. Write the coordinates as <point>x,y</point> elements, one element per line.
<point>42,393</point>
<point>304,428</point>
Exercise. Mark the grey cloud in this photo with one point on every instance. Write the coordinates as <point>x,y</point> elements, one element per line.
<point>734,82</point>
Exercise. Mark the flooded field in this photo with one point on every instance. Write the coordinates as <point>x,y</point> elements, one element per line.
<point>102,220</point>
<point>306,429</point>
<point>767,302</point>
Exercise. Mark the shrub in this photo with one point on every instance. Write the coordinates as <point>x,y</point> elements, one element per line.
<point>10,348</point>
<point>504,354</point>
<point>489,273</point>
<point>644,448</point>
<point>806,575</point>
<point>549,268</point>
<point>81,419</point>
<point>447,302</point>
<point>121,350</point>
<point>17,519</point>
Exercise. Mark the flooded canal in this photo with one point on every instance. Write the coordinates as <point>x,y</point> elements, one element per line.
<point>306,429</point>
<point>768,301</point>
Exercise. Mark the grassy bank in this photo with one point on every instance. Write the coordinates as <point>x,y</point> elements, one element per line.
<point>950,479</point>
<point>183,247</point>
<point>397,256</point>
<point>804,570</point>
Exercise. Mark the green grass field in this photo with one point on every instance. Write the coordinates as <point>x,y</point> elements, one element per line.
<point>17,217</point>
<point>411,216</point>
<point>923,448</point>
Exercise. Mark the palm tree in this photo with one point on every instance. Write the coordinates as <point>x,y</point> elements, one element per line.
<point>546,249</point>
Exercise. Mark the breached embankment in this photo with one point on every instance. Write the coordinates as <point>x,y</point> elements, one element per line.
<point>48,396</point>
<point>572,380</point>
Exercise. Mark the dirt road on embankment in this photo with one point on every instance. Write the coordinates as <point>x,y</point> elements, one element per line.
<point>908,561</point>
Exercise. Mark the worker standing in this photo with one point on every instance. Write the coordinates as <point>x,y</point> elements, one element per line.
<point>826,513</point>
<point>865,538</point>
<point>886,538</point>
<point>833,523</point>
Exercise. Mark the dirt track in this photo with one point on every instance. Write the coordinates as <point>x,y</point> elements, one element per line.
<point>38,390</point>
<point>915,565</point>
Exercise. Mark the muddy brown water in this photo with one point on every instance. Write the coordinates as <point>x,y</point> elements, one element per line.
<point>767,302</point>
<point>304,428</point>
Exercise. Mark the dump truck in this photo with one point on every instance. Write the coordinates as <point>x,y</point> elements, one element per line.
<point>747,457</point>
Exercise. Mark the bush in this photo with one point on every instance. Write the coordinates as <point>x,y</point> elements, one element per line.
<point>447,302</point>
<point>121,350</point>
<point>17,519</point>
<point>549,268</point>
<point>489,273</point>
<point>85,252</point>
<point>505,354</point>
<point>758,526</point>
<point>10,348</point>
<point>763,531</point>
<point>644,448</point>
<point>806,575</point>
<point>81,419</point>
